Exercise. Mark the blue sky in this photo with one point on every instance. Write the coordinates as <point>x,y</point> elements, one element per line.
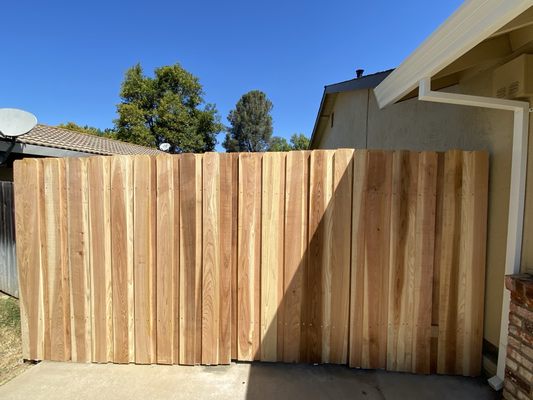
<point>64,61</point>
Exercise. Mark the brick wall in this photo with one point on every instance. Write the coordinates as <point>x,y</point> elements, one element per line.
<point>519,365</point>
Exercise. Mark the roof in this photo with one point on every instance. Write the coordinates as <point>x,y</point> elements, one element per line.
<point>60,138</point>
<point>365,82</point>
<point>472,23</point>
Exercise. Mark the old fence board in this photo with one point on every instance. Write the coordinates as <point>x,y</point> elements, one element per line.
<point>374,259</point>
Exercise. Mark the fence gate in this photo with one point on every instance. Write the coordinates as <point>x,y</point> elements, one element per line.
<point>373,259</point>
<point>8,262</point>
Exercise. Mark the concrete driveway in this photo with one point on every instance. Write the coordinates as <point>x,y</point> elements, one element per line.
<point>51,380</point>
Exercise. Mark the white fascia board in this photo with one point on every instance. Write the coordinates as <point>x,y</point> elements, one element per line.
<point>469,25</point>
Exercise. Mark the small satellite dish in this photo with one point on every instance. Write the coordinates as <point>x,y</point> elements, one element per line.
<point>164,146</point>
<point>15,122</point>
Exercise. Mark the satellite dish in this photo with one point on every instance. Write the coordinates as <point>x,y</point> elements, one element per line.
<point>164,146</point>
<point>15,122</point>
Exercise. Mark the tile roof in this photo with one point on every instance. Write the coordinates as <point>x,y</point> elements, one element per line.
<point>51,136</point>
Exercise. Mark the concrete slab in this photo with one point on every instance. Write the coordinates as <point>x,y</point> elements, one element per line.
<point>51,380</point>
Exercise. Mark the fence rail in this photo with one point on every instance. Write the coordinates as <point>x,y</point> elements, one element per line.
<point>8,262</point>
<point>373,259</point>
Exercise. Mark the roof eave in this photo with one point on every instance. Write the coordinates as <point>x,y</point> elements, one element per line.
<point>468,26</point>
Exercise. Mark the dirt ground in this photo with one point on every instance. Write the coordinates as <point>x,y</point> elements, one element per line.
<point>11,363</point>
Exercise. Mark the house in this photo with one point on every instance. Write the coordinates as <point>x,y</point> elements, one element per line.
<point>469,85</point>
<point>42,141</point>
<point>50,141</point>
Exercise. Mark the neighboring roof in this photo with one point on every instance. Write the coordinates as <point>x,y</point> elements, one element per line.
<point>473,22</point>
<point>59,138</point>
<point>365,82</point>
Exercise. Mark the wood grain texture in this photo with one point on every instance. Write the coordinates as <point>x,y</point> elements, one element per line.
<point>357,280</point>
<point>272,240</point>
<point>79,267</point>
<point>319,267</point>
<point>122,258</point>
<point>449,262</point>
<point>228,259</point>
<point>340,255</point>
<point>295,262</point>
<point>98,174</point>
<point>211,259</point>
<point>165,260</point>
<point>249,257</point>
<point>144,253</point>
<point>376,272</point>
<point>55,257</point>
<point>371,258</point>
<point>190,259</point>
<point>27,184</point>
<point>234,251</point>
<point>402,260</point>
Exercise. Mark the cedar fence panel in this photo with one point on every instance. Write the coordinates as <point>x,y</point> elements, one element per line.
<point>373,259</point>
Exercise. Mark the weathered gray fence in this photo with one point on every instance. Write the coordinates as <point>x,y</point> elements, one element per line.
<point>8,260</point>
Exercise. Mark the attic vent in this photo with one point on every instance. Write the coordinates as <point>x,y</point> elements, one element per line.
<point>514,80</point>
<point>501,92</point>
<point>513,89</point>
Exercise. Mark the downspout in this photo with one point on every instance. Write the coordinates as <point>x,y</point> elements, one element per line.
<point>516,193</point>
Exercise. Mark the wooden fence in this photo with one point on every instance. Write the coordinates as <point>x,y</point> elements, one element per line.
<point>369,258</point>
<point>8,263</point>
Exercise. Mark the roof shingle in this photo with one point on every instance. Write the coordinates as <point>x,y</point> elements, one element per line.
<point>51,136</point>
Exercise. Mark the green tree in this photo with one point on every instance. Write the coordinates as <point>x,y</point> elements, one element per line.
<point>166,108</point>
<point>278,143</point>
<point>251,124</point>
<point>299,142</point>
<point>89,130</point>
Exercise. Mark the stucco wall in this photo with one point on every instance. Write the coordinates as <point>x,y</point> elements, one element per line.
<point>350,116</point>
<point>417,125</point>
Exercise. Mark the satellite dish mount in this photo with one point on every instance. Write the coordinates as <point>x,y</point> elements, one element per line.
<point>14,123</point>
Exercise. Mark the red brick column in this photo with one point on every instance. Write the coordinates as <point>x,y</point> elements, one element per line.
<point>519,365</point>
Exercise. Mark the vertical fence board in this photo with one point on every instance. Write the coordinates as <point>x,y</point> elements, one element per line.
<point>227,259</point>
<point>100,259</point>
<point>319,267</point>
<point>122,258</point>
<point>249,242</point>
<point>423,276</point>
<point>145,307</point>
<point>176,246</point>
<point>402,260</point>
<point>211,259</point>
<point>234,251</point>
<point>165,262</point>
<point>377,224</point>
<point>79,267</point>
<point>55,256</point>
<point>449,262</point>
<point>26,174</point>
<point>357,283</point>
<point>190,259</point>
<point>340,254</point>
<point>295,245</point>
<point>272,209</point>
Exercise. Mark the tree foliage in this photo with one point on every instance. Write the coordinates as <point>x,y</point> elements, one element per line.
<point>89,130</point>
<point>278,143</point>
<point>251,124</point>
<point>166,108</point>
<point>298,142</point>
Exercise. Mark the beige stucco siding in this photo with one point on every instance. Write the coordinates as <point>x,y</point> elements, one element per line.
<point>417,125</point>
<point>350,112</point>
